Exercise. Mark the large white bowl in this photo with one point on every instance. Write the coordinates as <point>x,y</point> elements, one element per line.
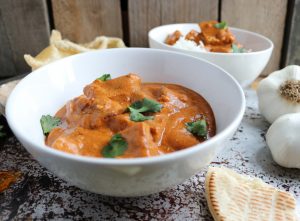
<point>245,67</point>
<point>47,89</point>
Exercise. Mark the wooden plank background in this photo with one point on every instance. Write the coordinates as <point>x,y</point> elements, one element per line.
<point>265,17</point>
<point>293,48</point>
<point>146,14</point>
<point>25,24</point>
<point>83,20</point>
<point>24,28</point>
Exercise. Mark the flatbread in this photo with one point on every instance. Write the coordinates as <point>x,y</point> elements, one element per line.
<point>60,48</point>
<point>5,90</point>
<point>235,197</point>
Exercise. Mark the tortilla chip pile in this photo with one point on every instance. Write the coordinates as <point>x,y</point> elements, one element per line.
<point>60,48</point>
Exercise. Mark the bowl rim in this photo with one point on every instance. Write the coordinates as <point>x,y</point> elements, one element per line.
<point>126,161</point>
<point>156,29</point>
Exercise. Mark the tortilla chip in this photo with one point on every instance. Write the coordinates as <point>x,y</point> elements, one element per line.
<point>60,48</point>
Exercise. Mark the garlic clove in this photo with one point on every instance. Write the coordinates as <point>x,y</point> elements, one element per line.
<point>278,93</point>
<point>283,139</point>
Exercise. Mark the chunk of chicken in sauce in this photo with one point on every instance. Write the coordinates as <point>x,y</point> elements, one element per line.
<point>173,38</point>
<point>214,39</point>
<point>90,120</point>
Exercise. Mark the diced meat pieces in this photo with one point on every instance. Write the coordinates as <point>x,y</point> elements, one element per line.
<point>90,120</point>
<point>176,134</point>
<point>215,39</point>
<point>79,141</point>
<point>193,36</point>
<point>168,97</point>
<point>119,89</point>
<point>173,38</point>
<point>114,96</point>
<point>140,141</point>
<point>82,112</point>
<point>118,122</point>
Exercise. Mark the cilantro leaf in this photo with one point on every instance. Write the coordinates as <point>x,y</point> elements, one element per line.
<point>146,105</point>
<point>104,77</point>
<point>221,25</point>
<point>236,49</point>
<point>138,117</point>
<point>198,128</point>
<point>48,123</point>
<point>2,134</point>
<point>116,147</point>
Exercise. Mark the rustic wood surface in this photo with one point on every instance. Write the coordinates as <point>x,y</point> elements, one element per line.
<point>293,52</point>
<point>24,28</point>
<point>82,21</point>
<point>265,17</point>
<point>146,14</point>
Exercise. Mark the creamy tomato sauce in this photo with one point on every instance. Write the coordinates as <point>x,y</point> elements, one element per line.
<point>214,39</point>
<point>90,120</point>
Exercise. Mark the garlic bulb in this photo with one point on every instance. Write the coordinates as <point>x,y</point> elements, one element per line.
<point>279,93</point>
<point>283,139</point>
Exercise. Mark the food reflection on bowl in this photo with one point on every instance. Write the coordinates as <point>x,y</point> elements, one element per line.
<point>123,118</point>
<point>49,88</point>
<point>244,67</point>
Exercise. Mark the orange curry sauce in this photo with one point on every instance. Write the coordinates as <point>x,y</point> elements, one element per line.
<point>7,178</point>
<point>90,120</point>
<point>214,39</point>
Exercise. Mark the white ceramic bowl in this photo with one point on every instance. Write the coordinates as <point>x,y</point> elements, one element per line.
<point>47,89</point>
<point>245,67</point>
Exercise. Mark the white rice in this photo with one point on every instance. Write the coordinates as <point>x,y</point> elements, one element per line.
<point>182,43</point>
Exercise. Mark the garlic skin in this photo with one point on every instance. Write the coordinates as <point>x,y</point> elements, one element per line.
<point>283,139</point>
<point>279,93</point>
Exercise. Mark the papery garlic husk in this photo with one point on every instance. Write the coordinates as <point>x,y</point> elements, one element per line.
<point>283,139</point>
<point>279,93</point>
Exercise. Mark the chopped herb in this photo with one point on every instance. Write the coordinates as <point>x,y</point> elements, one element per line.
<point>2,134</point>
<point>104,77</point>
<point>221,25</point>
<point>198,128</point>
<point>48,123</point>
<point>138,117</point>
<point>146,105</point>
<point>236,49</point>
<point>116,147</point>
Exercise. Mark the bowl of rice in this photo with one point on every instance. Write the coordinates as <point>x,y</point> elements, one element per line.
<point>241,53</point>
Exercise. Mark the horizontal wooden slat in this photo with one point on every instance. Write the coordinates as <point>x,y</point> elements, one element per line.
<point>266,17</point>
<point>24,29</point>
<point>293,49</point>
<point>83,20</point>
<point>146,14</point>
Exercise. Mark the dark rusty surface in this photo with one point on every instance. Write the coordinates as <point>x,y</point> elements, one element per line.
<point>39,195</point>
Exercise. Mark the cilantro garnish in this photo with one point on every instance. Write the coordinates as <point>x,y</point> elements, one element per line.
<point>221,25</point>
<point>198,128</point>
<point>146,105</point>
<point>48,123</point>
<point>116,147</point>
<point>138,117</point>
<point>104,77</point>
<point>236,49</point>
<point>2,134</point>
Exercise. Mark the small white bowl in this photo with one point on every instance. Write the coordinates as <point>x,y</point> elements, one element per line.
<point>47,89</point>
<point>245,67</point>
